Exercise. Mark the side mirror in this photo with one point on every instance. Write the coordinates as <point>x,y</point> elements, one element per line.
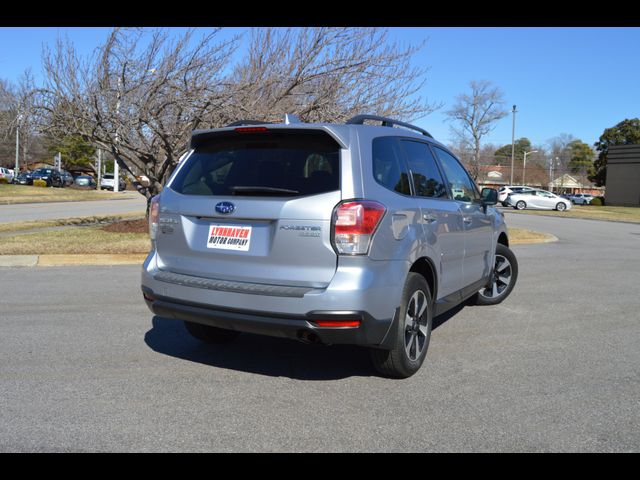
<point>488,196</point>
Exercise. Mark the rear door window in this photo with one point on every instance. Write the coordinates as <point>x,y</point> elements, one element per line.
<point>427,179</point>
<point>389,168</point>
<point>272,163</point>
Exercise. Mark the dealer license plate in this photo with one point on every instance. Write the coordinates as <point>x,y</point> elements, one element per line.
<point>229,237</point>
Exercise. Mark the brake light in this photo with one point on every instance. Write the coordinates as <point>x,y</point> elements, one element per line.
<point>251,129</point>
<point>355,222</point>
<point>154,214</point>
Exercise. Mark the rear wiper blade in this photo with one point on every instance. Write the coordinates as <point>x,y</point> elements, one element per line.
<point>246,190</point>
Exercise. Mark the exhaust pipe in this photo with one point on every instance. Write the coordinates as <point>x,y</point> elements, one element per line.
<point>307,336</point>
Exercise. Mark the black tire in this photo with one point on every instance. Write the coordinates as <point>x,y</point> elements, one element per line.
<point>497,290</point>
<point>561,207</point>
<point>412,340</point>
<point>211,335</point>
<point>520,205</point>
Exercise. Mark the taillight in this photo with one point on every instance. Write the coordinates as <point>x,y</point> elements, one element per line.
<point>154,214</point>
<point>354,223</point>
<point>338,323</point>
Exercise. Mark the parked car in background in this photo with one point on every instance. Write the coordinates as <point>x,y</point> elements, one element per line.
<point>67,178</point>
<point>582,198</point>
<point>7,173</point>
<point>540,199</point>
<point>108,183</point>
<point>86,181</point>
<point>506,190</point>
<point>23,178</point>
<point>49,175</point>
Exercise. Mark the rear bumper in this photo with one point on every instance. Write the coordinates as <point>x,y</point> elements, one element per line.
<point>362,290</point>
<point>368,332</point>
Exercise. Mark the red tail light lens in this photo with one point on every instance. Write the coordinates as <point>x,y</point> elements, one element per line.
<point>154,214</point>
<point>338,323</point>
<point>355,222</point>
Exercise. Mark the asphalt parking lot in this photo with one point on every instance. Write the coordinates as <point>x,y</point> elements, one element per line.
<point>84,366</point>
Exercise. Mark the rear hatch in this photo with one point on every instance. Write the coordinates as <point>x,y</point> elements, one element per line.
<point>253,205</point>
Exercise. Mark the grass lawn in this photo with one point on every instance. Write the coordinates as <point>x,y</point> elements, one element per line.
<point>616,214</point>
<point>12,194</point>
<point>75,240</point>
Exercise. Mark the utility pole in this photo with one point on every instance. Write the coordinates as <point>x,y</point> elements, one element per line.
<point>19,119</point>
<point>116,167</point>
<point>513,141</point>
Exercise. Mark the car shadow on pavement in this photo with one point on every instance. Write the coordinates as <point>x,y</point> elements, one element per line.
<point>446,316</point>
<point>276,357</point>
<point>262,355</point>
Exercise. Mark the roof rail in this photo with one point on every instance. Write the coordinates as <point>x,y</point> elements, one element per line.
<point>240,123</point>
<point>386,122</point>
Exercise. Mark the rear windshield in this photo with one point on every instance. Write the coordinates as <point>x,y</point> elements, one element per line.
<point>278,163</point>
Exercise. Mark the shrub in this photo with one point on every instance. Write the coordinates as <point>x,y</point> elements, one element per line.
<point>3,181</point>
<point>597,201</point>
<point>39,183</point>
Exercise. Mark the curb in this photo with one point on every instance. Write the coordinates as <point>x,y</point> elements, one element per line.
<point>67,260</point>
<point>18,260</point>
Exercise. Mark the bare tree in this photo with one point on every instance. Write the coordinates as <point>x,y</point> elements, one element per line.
<point>17,114</point>
<point>328,75</point>
<point>560,156</point>
<point>141,97</point>
<point>137,97</point>
<point>476,114</point>
<point>7,116</point>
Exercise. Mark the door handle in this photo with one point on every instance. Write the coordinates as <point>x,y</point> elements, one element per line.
<point>427,217</point>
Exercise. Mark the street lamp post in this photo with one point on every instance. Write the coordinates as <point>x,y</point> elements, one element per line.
<point>524,165</point>
<point>553,162</point>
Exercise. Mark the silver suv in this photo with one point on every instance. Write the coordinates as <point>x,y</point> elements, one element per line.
<point>326,233</point>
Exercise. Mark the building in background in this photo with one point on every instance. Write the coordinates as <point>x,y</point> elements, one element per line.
<point>623,175</point>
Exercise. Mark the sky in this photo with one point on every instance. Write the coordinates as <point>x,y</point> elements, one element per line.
<point>563,80</point>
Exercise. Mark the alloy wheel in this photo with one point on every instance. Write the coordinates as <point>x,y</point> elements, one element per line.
<point>500,278</point>
<point>416,329</point>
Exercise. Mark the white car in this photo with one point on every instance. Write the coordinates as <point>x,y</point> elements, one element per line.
<point>582,198</point>
<point>504,192</point>
<point>107,182</point>
<point>7,173</point>
<point>538,199</point>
